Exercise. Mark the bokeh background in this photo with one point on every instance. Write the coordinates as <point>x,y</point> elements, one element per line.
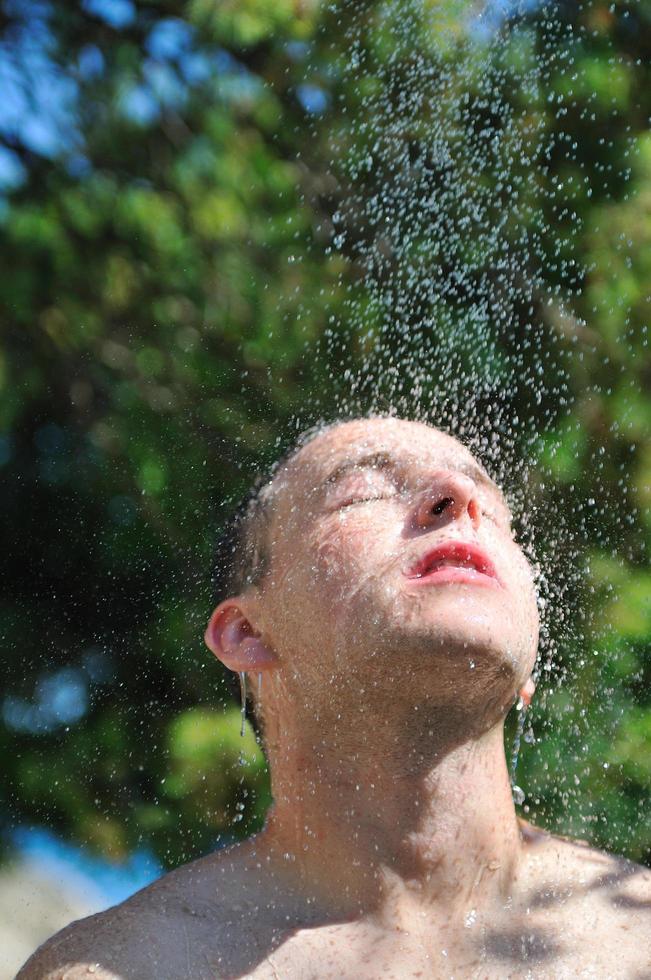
<point>192,233</point>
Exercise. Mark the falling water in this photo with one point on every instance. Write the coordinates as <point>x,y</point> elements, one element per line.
<point>518,792</point>
<point>242,676</point>
<point>458,243</point>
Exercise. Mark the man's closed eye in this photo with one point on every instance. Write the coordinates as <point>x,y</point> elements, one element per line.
<point>365,500</point>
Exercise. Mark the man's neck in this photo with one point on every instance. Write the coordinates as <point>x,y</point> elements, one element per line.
<point>395,820</point>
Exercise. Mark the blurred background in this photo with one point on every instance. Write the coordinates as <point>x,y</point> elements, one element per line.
<point>194,228</point>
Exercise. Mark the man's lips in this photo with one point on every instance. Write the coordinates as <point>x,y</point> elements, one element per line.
<point>455,561</point>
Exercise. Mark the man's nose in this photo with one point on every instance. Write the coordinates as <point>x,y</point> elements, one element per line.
<point>450,497</point>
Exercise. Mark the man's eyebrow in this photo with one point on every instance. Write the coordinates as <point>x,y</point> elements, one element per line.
<point>385,460</point>
<point>376,460</point>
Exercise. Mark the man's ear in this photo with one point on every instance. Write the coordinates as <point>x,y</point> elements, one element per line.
<point>527,692</point>
<point>233,640</point>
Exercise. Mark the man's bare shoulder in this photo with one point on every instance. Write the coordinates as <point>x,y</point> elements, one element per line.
<point>181,925</point>
<point>101,945</point>
<point>588,887</point>
<point>575,861</point>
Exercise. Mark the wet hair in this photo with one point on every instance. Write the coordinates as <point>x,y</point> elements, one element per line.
<point>243,551</point>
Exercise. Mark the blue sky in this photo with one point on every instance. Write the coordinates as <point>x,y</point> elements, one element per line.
<point>71,866</point>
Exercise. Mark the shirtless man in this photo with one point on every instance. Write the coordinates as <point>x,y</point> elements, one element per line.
<point>393,618</point>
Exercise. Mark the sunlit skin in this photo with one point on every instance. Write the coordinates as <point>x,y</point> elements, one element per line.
<point>394,629</point>
<point>385,694</point>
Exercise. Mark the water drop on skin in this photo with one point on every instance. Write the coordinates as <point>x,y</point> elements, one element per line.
<point>470,918</point>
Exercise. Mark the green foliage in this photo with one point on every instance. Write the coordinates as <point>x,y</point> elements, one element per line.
<point>178,279</point>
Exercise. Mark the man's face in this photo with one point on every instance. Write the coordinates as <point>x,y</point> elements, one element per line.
<point>393,564</point>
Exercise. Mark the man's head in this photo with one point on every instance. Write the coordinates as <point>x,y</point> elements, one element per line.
<point>380,559</point>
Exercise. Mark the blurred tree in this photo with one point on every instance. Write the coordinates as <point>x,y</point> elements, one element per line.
<point>211,213</point>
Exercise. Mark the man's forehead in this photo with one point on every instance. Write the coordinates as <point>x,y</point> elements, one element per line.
<point>351,442</point>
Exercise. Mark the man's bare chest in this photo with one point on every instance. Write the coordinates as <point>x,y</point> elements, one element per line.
<point>539,949</point>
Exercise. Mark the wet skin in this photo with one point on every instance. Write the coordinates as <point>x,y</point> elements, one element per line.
<point>392,847</point>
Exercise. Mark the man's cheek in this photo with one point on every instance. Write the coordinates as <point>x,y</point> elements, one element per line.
<point>336,562</point>
<point>527,606</point>
<point>315,570</point>
<point>529,589</point>
<point>347,557</point>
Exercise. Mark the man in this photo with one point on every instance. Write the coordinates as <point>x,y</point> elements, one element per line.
<point>393,619</point>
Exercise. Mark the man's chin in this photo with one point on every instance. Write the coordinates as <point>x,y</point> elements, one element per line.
<point>471,632</point>
<point>465,652</point>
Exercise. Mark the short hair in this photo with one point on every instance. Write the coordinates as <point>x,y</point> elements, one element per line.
<point>243,550</point>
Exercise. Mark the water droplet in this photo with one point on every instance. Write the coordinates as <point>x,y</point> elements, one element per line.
<point>470,919</point>
<point>242,677</point>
